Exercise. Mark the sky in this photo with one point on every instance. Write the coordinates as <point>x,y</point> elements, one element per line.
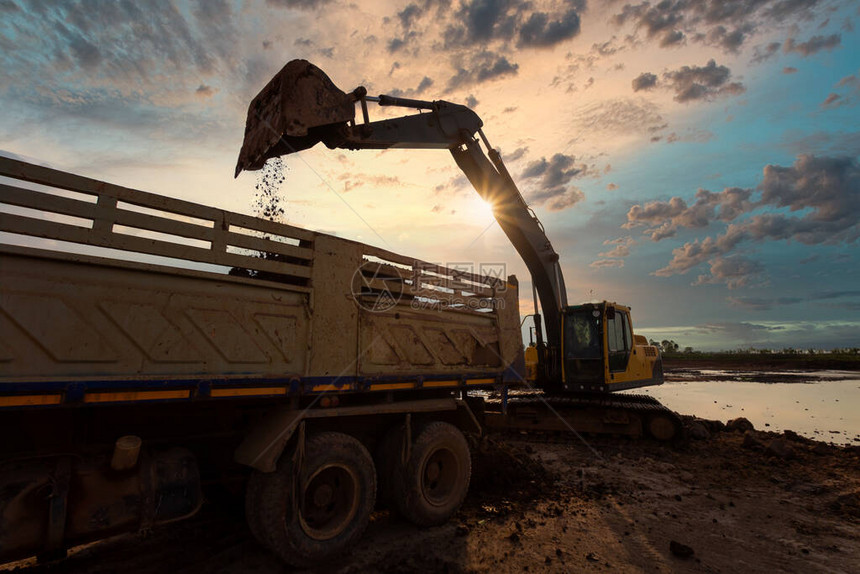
<point>698,160</point>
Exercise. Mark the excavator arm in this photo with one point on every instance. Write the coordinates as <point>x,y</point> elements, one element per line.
<point>301,107</point>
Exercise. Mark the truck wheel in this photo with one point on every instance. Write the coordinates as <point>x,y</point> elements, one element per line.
<point>432,485</point>
<point>335,497</point>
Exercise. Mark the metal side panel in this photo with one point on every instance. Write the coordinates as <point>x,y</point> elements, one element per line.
<point>67,319</point>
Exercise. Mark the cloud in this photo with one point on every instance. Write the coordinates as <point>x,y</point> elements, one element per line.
<point>425,83</point>
<point>849,86</point>
<point>734,271</point>
<point>813,45</point>
<point>541,32</point>
<point>551,182</point>
<point>789,70</point>
<point>832,100</point>
<point>298,4</point>
<point>761,303</point>
<point>621,247</point>
<point>604,263</point>
<point>719,23</point>
<point>765,304</point>
<point>620,116</point>
<point>484,66</point>
<point>204,91</point>
<point>762,53</point>
<point>516,154</point>
<point>644,81</point>
<point>702,82</point>
<point>743,332</point>
<point>815,201</point>
<point>479,22</point>
<point>663,219</point>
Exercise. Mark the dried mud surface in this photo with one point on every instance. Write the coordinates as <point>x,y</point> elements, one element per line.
<point>730,501</point>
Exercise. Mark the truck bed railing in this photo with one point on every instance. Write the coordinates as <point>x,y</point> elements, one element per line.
<point>104,215</point>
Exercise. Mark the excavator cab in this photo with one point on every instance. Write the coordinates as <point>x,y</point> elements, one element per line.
<point>600,352</point>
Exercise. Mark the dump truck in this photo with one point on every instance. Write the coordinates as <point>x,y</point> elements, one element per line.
<point>152,349</point>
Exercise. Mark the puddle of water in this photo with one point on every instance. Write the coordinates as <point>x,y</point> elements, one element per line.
<point>825,409</point>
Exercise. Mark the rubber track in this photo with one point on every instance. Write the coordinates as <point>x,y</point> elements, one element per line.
<point>642,405</point>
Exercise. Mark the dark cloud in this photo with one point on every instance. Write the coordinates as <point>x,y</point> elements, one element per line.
<point>762,53</point>
<point>471,101</point>
<point>761,303</point>
<point>644,81</point>
<point>298,4</point>
<point>720,23</point>
<point>765,304</point>
<point>607,48</point>
<point>815,201</point>
<point>425,83</point>
<point>702,82</point>
<point>829,187</point>
<point>483,67</point>
<point>395,45</point>
<point>480,22</point>
<point>516,154</point>
<point>552,182</point>
<point>204,91</point>
<point>734,271</point>
<point>729,40</point>
<point>409,14</point>
<point>673,38</point>
<point>813,45</point>
<point>663,219</point>
<point>789,70</point>
<point>540,31</point>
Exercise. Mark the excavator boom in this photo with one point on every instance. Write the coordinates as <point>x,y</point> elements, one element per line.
<point>301,107</point>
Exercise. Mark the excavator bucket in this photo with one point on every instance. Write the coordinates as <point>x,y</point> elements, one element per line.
<point>293,112</point>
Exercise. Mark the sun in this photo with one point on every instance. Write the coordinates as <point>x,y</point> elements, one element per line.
<point>478,209</point>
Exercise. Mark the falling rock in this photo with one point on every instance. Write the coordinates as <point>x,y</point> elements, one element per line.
<point>680,550</point>
<point>739,424</point>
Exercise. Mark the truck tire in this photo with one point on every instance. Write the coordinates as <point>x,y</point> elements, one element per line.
<point>433,484</point>
<point>335,497</point>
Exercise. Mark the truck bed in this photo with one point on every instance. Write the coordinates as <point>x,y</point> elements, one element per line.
<point>116,295</point>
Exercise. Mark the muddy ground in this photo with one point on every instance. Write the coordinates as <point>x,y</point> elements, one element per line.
<point>725,501</point>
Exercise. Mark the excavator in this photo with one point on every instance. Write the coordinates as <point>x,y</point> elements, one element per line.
<point>581,352</point>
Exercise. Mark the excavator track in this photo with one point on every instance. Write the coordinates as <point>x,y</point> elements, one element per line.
<point>594,414</point>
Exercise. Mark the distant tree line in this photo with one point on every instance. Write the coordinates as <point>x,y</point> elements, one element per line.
<point>670,347</point>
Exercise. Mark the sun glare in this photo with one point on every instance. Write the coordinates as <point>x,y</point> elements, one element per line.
<point>479,209</point>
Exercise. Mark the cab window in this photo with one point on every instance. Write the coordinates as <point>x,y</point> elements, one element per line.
<point>618,341</point>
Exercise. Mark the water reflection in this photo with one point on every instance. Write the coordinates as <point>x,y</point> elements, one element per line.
<point>822,405</point>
